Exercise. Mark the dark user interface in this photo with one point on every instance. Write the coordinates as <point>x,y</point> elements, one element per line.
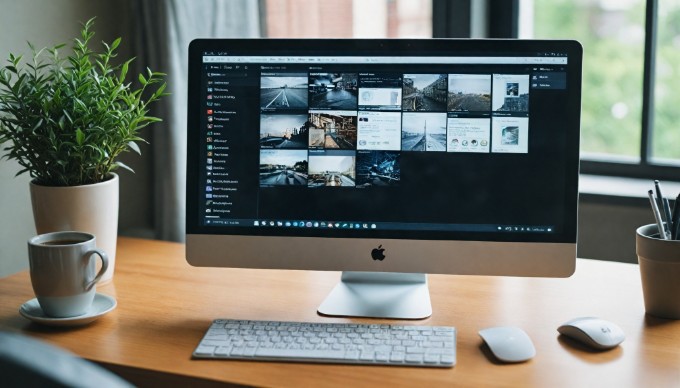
<point>462,147</point>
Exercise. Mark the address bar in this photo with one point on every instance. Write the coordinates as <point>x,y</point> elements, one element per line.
<point>387,60</point>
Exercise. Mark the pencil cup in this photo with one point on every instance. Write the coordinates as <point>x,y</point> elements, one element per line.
<point>660,272</point>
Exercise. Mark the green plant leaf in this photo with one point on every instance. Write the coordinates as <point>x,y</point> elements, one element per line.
<point>125,166</point>
<point>80,137</point>
<point>134,147</point>
<point>115,44</point>
<point>66,117</point>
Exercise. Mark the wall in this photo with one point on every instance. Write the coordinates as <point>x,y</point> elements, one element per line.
<point>606,230</point>
<point>45,23</point>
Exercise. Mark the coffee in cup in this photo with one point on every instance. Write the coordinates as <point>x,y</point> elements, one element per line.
<point>63,272</point>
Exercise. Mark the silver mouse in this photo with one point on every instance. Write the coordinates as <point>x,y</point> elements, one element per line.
<point>593,332</point>
<point>508,344</point>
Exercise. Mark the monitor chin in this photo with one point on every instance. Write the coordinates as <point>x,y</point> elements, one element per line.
<point>494,258</point>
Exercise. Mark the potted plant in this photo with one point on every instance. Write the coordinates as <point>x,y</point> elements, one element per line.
<point>66,120</point>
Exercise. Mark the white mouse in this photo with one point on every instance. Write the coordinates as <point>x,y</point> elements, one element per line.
<point>508,344</point>
<point>594,332</point>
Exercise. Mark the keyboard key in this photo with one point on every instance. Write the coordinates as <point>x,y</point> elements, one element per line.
<point>306,354</point>
<point>414,358</point>
<point>397,357</point>
<point>205,351</point>
<point>450,360</point>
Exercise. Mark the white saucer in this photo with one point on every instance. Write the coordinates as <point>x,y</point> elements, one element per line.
<point>101,305</point>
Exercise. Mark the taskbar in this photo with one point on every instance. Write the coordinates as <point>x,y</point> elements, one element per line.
<point>363,225</point>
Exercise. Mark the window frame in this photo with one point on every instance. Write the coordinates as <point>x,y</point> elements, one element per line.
<point>453,19</point>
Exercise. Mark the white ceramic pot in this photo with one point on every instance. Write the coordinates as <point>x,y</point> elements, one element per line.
<point>87,208</point>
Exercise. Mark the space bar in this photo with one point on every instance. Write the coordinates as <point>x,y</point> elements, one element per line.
<point>300,353</point>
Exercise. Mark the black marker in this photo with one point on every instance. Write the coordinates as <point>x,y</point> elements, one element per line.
<point>675,219</point>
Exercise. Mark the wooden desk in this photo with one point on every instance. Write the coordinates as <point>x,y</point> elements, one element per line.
<point>165,306</point>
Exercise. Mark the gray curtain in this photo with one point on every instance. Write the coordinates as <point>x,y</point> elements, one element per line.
<point>163,30</point>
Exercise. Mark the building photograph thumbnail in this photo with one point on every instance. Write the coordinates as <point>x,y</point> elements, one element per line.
<point>333,129</point>
<point>424,92</point>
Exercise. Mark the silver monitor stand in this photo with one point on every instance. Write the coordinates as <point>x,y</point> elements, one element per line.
<point>379,295</point>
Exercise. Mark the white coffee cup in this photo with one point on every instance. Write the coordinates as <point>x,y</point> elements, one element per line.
<point>62,269</point>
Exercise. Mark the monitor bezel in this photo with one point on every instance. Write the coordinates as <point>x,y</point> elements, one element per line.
<point>503,254</point>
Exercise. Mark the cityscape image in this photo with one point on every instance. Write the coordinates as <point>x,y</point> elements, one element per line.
<point>283,167</point>
<point>424,92</point>
<point>333,129</point>
<point>283,91</point>
<point>283,131</point>
<point>469,92</point>
<point>333,90</point>
<point>423,132</point>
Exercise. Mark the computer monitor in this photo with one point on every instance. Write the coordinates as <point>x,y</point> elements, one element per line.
<point>384,159</point>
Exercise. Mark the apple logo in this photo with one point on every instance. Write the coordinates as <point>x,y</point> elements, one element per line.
<point>377,253</point>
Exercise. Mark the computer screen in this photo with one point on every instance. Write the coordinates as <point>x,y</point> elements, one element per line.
<point>396,156</point>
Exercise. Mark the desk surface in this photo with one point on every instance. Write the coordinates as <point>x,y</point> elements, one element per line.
<point>165,306</point>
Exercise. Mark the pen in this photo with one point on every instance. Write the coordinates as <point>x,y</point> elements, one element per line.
<point>663,204</point>
<point>675,219</point>
<point>657,216</point>
<point>669,220</point>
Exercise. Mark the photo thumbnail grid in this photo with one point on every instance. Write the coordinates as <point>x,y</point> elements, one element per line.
<point>348,129</point>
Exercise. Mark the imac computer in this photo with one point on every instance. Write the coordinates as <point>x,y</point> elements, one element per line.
<point>384,159</point>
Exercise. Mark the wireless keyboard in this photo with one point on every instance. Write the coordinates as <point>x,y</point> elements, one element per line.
<point>344,343</point>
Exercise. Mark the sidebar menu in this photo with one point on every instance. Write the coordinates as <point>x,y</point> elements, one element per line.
<point>226,128</point>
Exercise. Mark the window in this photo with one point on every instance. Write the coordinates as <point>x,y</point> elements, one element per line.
<point>348,18</point>
<point>666,137</point>
<point>630,78</point>
<point>612,34</point>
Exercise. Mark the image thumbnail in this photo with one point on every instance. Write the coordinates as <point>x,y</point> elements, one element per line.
<point>283,168</point>
<point>511,92</point>
<point>333,129</point>
<point>424,92</point>
<point>423,132</point>
<point>283,91</point>
<point>510,134</point>
<point>378,168</point>
<point>332,168</point>
<point>333,90</point>
<point>469,92</point>
<point>283,131</point>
